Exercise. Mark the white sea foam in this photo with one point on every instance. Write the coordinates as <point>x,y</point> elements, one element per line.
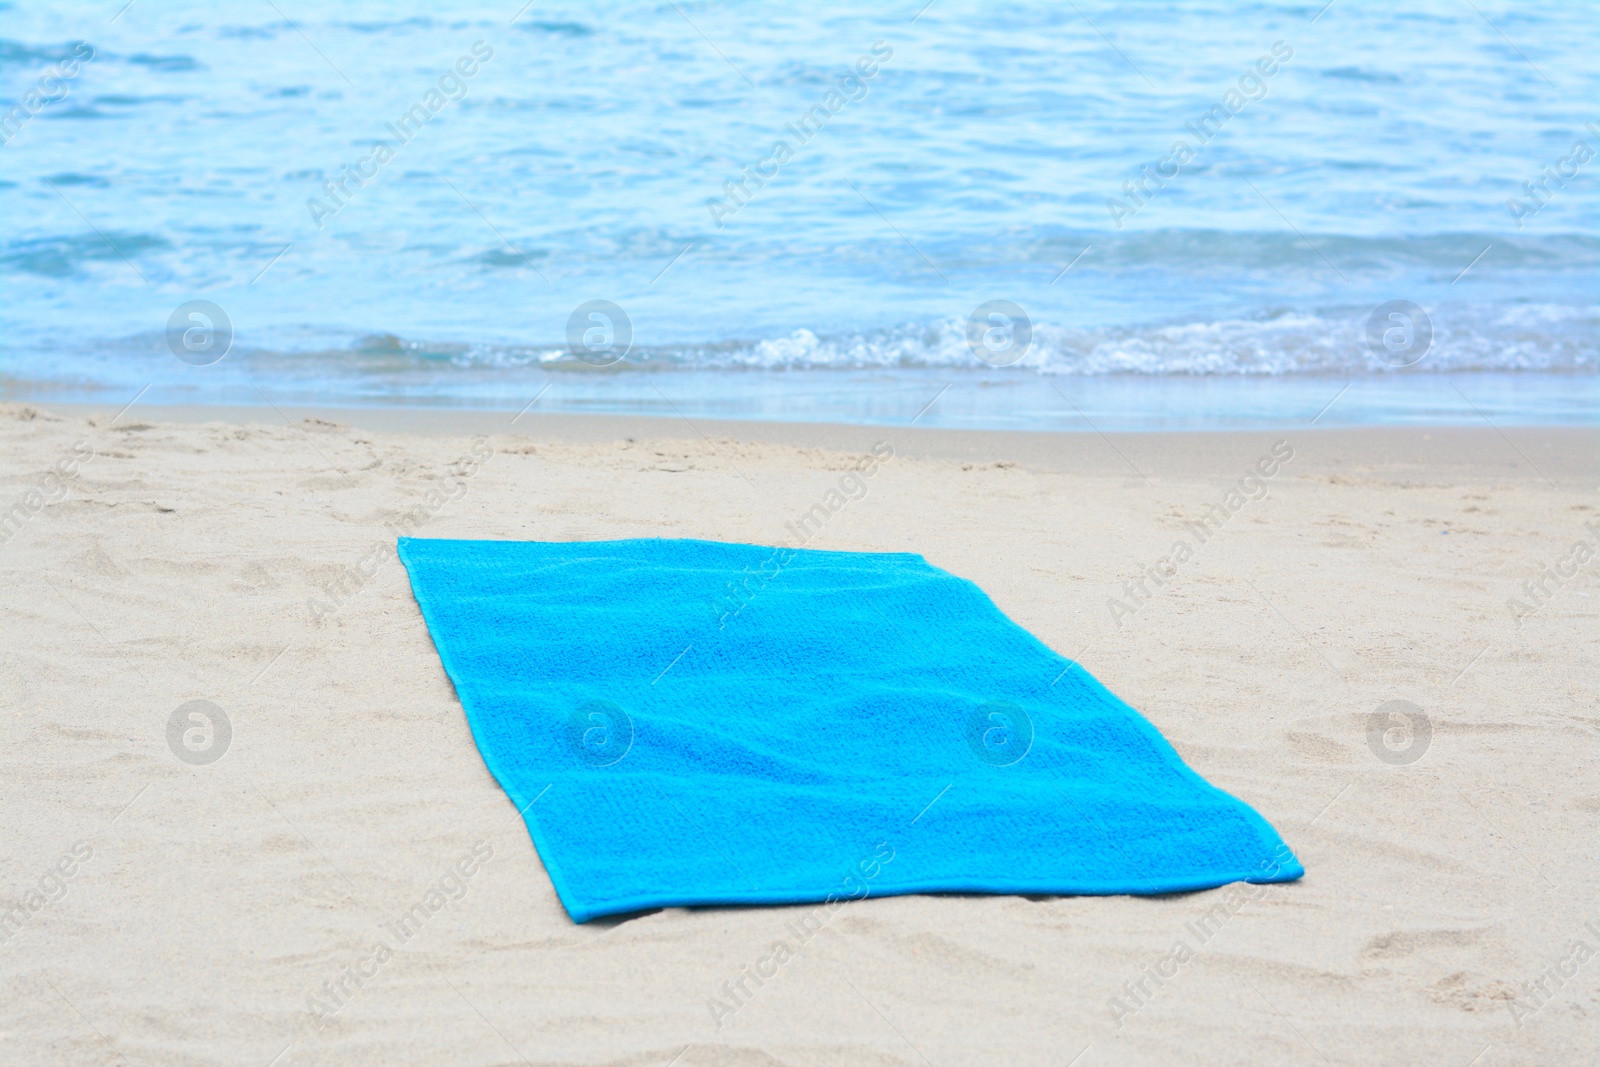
<point>1519,337</point>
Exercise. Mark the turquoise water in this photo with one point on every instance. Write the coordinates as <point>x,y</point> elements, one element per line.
<point>1190,211</point>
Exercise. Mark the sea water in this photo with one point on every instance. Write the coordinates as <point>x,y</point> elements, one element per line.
<point>1018,215</point>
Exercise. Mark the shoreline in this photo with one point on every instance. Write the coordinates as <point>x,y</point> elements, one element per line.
<point>965,398</point>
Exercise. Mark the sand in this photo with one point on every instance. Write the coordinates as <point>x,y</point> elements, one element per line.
<point>186,912</point>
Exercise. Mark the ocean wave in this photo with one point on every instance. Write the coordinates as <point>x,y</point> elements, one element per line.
<point>1525,338</point>
<point>1281,343</point>
<point>18,54</point>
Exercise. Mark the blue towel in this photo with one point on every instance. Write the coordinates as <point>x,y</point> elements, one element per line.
<point>691,722</point>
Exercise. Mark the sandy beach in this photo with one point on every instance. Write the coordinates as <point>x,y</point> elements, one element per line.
<point>171,911</point>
